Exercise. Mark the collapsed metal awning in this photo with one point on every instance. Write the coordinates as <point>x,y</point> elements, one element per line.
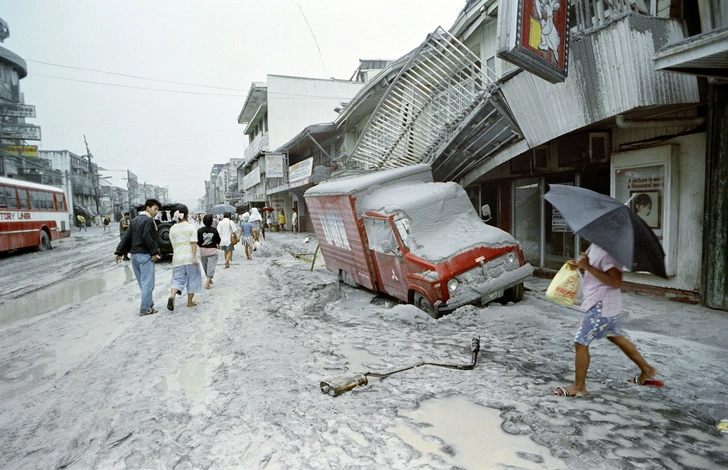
<point>439,84</point>
<point>441,109</point>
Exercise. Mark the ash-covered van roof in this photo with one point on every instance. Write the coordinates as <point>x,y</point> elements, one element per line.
<point>374,180</point>
<point>442,220</point>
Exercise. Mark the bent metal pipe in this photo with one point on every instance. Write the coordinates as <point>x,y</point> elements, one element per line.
<point>344,383</point>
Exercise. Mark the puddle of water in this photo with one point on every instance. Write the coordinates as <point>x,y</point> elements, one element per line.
<point>357,358</point>
<point>192,379</point>
<point>481,443</point>
<point>52,297</point>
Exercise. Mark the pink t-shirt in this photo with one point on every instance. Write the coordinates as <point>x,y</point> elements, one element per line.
<point>594,290</point>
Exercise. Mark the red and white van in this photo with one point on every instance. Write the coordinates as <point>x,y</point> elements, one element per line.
<point>398,232</point>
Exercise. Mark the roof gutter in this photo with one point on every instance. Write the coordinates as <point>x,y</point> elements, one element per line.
<point>672,122</point>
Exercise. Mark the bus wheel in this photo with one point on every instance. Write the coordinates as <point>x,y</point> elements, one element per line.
<point>421,302</point>
<point>45,241</point>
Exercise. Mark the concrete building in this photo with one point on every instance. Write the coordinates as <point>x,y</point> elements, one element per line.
<point>81,180</point>
<point>18,159</point>
<point>275,112</point>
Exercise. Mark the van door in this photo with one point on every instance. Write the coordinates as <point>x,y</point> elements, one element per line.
<point>387,256</point>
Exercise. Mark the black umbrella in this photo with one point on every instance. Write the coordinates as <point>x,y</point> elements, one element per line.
<point>221,209</point>
<point>610,224</point>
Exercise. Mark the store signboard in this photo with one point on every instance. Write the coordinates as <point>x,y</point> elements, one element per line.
<point>17,110</point>
<point>273,165</point>
<point>20,131</point>
<point>301,170</point>
<point>534,34</point>
<point>21,150</point>
<point>558,223</point>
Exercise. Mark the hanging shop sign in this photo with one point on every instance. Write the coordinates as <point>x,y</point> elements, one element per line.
<point>18,110</point>
<point>273,165</point>
<point>20,131</point>
<point>534,34</point>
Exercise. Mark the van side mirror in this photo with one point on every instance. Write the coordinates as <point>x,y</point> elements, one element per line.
<point>485,213</point>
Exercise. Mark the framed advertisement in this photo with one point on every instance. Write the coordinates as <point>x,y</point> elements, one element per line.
<point>647,181</point>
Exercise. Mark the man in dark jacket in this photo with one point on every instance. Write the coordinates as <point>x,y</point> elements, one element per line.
<point>140,240</point>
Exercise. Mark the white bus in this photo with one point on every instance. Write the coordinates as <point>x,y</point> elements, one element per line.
<point>31,215</point>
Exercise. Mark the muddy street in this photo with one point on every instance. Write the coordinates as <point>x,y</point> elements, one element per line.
<point>234,382</point>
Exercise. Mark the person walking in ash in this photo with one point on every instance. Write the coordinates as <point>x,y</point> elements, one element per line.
<point>294,221</point>
<point>107,221</point>
<point>226,228</point>
<point>282,221</point>
<point>185,266</point>
<point>81,223</point>
<point>602,304</point>
<point>246,238</point>
<point>257,220</point>
<point>140,240</point>
<point>123,227</point>
<point>208,240</point>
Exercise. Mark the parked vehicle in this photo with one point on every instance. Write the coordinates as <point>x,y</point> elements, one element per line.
<point>164,223</point>
<point>398,232</point>
<point>31,215</point>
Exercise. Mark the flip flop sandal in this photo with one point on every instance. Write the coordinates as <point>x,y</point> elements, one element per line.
<point>565,393</point>
<point>192,304</point>
<point>647,382</point>
<point>170,304</point>
<point>151,311</point>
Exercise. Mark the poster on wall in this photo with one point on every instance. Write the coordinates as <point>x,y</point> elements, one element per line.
<point>643,188</point>
<point>647,181</point>
<point>534,34</point>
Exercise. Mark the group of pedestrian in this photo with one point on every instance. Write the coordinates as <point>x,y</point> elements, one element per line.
<point>193,248</point>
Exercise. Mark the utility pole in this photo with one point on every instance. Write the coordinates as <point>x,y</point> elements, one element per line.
<point>94,178</point>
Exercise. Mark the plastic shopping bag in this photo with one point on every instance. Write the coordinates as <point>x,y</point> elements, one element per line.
<point>565,285</point>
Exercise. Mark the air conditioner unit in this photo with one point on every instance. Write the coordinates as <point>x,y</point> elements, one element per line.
<point>599,146</point>
<point>582,149</point>
<point>542,158</point>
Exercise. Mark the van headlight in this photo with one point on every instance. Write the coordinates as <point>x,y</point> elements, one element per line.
<point>452,284</point>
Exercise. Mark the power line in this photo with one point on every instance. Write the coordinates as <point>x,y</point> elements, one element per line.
<point>136,87</point>
<point>132,76</point>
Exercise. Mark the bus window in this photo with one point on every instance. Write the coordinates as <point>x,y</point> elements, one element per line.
<point>11,198</point>
<point>48,199</point>
<point>35,196</point>
<point>23,198</point>
<point>2,197</point>
<point>60,203</point>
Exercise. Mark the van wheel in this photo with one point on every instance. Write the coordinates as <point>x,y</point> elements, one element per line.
<point>421,302</point>
<point>514,294</point>
<point>45,242</point>
<point>347,279</point>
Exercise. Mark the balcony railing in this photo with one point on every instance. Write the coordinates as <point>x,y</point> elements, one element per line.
<point>589,14</point>
<point>256,146</point>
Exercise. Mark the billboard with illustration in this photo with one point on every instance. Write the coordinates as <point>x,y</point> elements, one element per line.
<point>534,34</point>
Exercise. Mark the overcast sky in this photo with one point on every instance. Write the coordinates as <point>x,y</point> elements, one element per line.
<point>171,134</point>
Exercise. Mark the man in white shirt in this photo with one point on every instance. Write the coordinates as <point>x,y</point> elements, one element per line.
<point>226,228</point>
<point>185,266</point>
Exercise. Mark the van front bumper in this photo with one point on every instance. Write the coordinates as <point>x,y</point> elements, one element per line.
<point>484,283</point>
